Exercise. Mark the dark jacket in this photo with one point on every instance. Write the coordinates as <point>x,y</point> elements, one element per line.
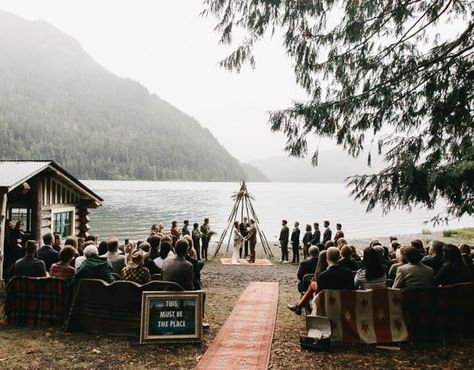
<point>284,234</point>
<point>452,274</point>
<point>348,264</point>
<point>327,235</point>
<point>30,266</point>
<point>435,262</point>
<point>306,267</point>
<point>197,272</point>
<point>336,277</point>
<point>180,271</point>
<point>307,237</point>
<point>295,236</point>
<point>243,228</point>
<point>94,268</point>
<point>316,237</point>
<point>47,254</point>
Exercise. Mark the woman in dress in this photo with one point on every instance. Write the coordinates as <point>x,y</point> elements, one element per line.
<point>238,239</point>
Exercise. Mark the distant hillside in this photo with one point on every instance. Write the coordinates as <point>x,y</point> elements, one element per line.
<point>334,166</point>
<point>57,103</point>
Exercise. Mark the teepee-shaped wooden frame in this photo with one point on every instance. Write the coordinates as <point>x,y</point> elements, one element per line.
<point>243,206</point>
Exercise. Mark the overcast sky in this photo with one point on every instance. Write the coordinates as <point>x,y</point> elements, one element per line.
<point>171,50</point>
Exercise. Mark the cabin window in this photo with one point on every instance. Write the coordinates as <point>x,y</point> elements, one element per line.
<point>62,223</point>
<point>23,215</point>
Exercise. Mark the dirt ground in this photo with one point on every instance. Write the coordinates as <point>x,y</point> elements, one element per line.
<point>22,348</point>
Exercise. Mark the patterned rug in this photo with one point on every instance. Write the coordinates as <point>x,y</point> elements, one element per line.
<point>244,262</point>
<point>245,340</point>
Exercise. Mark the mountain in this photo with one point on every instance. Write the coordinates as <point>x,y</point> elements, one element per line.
<point>57,103</point>
<point>333,167</point>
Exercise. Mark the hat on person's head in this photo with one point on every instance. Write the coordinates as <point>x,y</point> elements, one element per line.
<point>138,257</point>
<point>91,250</point>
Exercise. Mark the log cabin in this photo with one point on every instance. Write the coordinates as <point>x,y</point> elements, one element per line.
<point>46,198</point>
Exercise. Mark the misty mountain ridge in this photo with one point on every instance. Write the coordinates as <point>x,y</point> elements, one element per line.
<point>57,103</point>
<point>334,166</point>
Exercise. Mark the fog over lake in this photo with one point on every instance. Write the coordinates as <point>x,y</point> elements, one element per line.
<point>131,207</point>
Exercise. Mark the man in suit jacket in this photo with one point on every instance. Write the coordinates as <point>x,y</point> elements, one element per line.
<point>307,267</point>
<point>295,243</point>
<point>46,253</point>
<point>29,265</point>
<point>435,256</point>
<point>413,274</point>
<point>252,238</point>
<point>316,235</point>
<point>177,269</point>
<point>284,238</point>
<point>327,235</point>
<point>116,260</point>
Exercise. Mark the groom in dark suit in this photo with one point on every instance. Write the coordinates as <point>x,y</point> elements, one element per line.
<point>284,237</point>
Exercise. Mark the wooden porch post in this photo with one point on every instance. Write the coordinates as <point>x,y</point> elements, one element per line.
<point>3,218</point>
<point>36,210</point>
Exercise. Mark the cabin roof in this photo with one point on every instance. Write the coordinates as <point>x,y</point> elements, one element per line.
<point>15,172</point>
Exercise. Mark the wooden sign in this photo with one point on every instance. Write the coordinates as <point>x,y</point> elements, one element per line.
<point>171,317</point>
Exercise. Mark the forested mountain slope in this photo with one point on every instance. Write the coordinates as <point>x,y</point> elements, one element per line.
<point>57,103</point>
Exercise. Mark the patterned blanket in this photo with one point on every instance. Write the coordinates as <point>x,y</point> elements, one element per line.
<point>363,316</point>
<point>114,309</point>
<point>36,301</point>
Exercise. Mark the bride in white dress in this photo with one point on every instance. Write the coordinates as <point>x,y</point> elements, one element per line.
<point>238,239</point>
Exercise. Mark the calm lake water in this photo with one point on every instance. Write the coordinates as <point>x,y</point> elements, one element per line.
<point>131,207</point>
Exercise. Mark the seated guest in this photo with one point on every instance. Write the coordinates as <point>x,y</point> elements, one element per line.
<point>346,261</point>
<point>335,277</point>
<point>72,241</point>
<point>80,259</point>
<point>386,262</point>
<point>148,263</point>
<point>308,266</point>
<point>154,241</point>
<point>329,244</point>
<point>63,268</point>
<point>29,265</point>
<point>413,274</point>
<point>395,246</point>
<point>102,248</point>
<point>57,243</point>
<point>434,259</point>
<point>177,269</point>
<point>94,267</point>
<point>165,252</point>
<point>453,270</point>
<point>418,244</point>
<point>46,253</point>
<point>135,269</point>
<point>116,260</point>
<point>466,257</point>
<point>400,254</point>
<point>355,255</point>
<point>192,251</point>
<point>197,265</point>
<point>340,243</point>
<point>373,274</point>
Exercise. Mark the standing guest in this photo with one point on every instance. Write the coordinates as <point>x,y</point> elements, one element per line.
<point>185,230</point>
<point>63,268</point>
<point>244,231</point>
<point>29,265</point>
<point>453,270</point>
<point>238,239</point>
<point>373,274</point>
<point>148,262</point>
<point>316,235</point>
<point>400,254</point>
<point>135,270</point>
<point>12,251</point>
<point>177,269</point>
<point>154,241</point>
<point>307,267</point>
<point>165,252</point>
<point>252,238</point>
<point>346,261</point>
<point>339,233</point>
<point>327,235</point>
<point>46,253</point>
<point>307,238</point>
<point>17,233</point>
<point>413,274</point>
<point>295,243</point>
<point>116,260</point>
<point>196,236</point>
<point>174,232</point>
<point>435,258</point>
<point>206,234</point>
<point>57,243</point>
<point>284,238</point>
<point>93,267</point>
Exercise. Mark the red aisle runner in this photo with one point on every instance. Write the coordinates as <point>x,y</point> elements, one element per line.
<point>244,262</point>
<point>245,340</point>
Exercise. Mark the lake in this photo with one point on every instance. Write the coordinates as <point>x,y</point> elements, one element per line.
<point>131,207</point>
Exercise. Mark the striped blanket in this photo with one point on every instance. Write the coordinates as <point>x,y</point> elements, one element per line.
<point>363,316</point>
<point>36,301</point>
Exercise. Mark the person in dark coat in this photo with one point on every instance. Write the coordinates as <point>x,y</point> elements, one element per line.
<point>295,243</point>
<point>454,271</point>
<point>29,265</point>
<point>284,238</point>
<point>316,235</point>
<point>434,259</point>
<point>93,267</point>
<point>244,231</point>
<point>327,235</point>
<point>46,253</point>
<point>307,238</point>
<point>308,266</point>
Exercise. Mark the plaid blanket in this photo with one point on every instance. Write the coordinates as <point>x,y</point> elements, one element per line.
<point>363,316</point>
<point>36,301</point>
<point>115,309</point>
<point>440,314</point>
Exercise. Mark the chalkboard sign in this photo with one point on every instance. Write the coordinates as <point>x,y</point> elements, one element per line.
<point>171,317</point>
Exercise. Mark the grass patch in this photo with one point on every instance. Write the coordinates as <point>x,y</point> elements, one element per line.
<point>426,232</point>
<point>466,233</point>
